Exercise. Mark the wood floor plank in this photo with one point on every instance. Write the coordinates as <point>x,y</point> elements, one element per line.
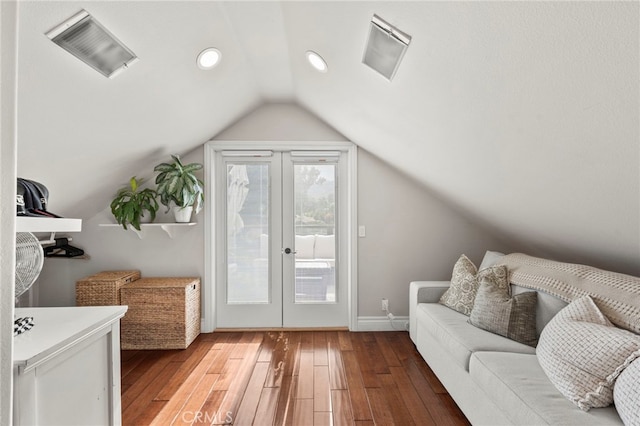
<point>182,374</point>
<point>196,400</point>
<point>399,411</point>
<point>146,417</point>
<point>293,351</point>
<point>140,369</point>
<point>387,351</point>
<point>412,400</point>
<point>303,411</point>
<point>238,386</point>
<point>209,410</point>
<point>341,408</point>
<point>286,378</point>
<point>365,362</point>
<point>379,407</point>
<point>252,394</point>
<point>266,411</point>
<point>281,360</point>
<point>359,401</point>
<point>144,380</point>
<point>269,342</point>
<point>345,341</point>
<point>320,356</point>
<point>440,414</point>
<point>284,411</point>
<point>321,389</point>
<point>178,399</point>
<point>218,364</point>
<point>322,418</point>
<point>229,374</point>
<point>428,374</point>
<point>336,367</point>
<point>305,375</point>
<point>132,362</point>
<point>141,400</point>
<point>243,345</point>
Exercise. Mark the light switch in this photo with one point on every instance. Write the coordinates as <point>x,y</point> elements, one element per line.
<point>362,232</point>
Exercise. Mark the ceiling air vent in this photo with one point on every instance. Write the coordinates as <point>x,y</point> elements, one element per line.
<point>86,39</point>
<point>385,47</point>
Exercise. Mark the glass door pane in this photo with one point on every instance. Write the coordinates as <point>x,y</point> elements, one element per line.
<point>248,241</point>
<point>315,232</point>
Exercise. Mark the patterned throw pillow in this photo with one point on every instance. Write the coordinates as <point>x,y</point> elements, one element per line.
<point>512,317</point>
<point>582,353</point>
<point>465,282</point>
<point>626,394</point>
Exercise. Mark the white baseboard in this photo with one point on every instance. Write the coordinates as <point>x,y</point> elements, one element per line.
<point>382,323</point>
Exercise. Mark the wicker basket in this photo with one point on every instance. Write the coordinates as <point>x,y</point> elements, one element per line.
<point>164,313</point>
<point>103,289</point>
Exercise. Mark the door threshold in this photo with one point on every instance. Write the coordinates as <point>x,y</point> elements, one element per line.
<point>254,329</point>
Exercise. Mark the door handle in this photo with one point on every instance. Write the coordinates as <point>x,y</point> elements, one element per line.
<point>288,251</point>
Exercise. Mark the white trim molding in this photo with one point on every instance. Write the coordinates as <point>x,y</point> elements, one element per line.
<point>210,149</point>
<point>382,323</point>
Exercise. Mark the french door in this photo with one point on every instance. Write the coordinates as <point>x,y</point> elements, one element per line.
<point>281,239</point>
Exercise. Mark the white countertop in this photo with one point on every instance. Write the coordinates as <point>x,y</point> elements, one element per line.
<point>58,328</point>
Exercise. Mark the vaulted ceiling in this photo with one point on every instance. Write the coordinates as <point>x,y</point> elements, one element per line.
<point>523,115</point>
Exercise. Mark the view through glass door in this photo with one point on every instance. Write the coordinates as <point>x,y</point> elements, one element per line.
<point>280,237</point>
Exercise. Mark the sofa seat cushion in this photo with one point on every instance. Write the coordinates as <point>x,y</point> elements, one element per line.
<point>517,384</point>
<point>460,339</point>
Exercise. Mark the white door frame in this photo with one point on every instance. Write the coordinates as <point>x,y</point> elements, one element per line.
<point>210,268</point>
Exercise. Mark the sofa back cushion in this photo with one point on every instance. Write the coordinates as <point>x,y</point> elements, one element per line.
<point>305,246</point>
<point>325,247</point>
<point>546,308</point>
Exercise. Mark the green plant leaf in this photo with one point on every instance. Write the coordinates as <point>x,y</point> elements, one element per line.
<point>163,167</point>
<point>190,168</point>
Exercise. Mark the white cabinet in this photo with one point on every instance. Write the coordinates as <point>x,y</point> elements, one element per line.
<point>67,367</point>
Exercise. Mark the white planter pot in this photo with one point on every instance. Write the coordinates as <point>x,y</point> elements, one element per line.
<point>182,214</point>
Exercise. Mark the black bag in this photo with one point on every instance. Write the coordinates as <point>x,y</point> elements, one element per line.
<point>32,198</point>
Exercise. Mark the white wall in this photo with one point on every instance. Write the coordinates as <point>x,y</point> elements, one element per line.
<point>113,248</point>
<point>7,206</point>
<point>410,235</point>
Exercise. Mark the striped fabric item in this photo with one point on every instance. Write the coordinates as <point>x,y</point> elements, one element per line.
<point>617,295</point>
<point>21,325</point>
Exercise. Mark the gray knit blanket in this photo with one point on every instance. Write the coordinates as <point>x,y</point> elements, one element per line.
<point>617,295</point>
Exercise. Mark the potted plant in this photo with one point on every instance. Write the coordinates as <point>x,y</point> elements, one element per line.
<point>131,203</point>
<point>179,188</point>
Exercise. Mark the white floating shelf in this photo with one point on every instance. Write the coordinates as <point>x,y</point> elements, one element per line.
<point>169,228</point>
<point>47,224</point>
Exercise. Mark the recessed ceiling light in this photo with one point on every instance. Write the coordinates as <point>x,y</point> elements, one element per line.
<point>316,61</point>
<point>209,58</point>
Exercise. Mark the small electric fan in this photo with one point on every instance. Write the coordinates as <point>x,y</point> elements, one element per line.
<point>29,260</point>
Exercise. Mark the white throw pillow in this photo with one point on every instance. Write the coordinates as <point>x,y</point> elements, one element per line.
<point>305,246</point>
<point>325,247</point>
<point>626,394</point>
<point>465,281</point>
<point>582,353</point>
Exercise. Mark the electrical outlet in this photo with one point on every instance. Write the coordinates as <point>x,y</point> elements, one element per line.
<point>385,305</point>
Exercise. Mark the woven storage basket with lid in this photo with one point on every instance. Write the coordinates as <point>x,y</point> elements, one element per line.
<point>164,313</point>
<point>103,288</point>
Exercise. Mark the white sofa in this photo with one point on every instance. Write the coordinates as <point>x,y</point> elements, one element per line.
<point>494,380</point>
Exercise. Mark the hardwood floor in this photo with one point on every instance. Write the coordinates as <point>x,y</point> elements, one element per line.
<point>286,378</point>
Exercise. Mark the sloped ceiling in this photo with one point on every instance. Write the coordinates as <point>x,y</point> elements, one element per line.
<point>524,115</point>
